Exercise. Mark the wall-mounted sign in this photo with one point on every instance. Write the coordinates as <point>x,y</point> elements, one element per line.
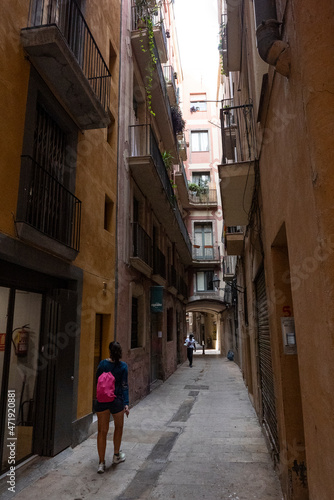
<point>157,293</point>
<point>289,336</point>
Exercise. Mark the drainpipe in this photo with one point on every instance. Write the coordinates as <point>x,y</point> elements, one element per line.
<point>270,46</point>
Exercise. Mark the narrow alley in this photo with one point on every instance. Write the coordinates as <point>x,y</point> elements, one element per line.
<point>196,436</point>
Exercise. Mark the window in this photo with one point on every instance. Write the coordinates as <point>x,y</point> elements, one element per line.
<point>134,324</point>
<point>200,140</point>
<point>108,213</point>
<point>112,60</point>
<point>198,102</point>
<point>204,281</point>
<point>47,209</point>
<point>169,324</point>
<point>201,178</point>
<point>102,324</point>
<point>203,241</point>
<point>112,131</point>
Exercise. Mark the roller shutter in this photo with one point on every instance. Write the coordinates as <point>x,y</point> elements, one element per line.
<point>269,418</point>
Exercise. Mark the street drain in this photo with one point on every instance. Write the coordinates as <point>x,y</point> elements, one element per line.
<point>197,387</point>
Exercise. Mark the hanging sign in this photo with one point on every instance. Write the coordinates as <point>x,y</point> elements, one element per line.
<point>157,298</point>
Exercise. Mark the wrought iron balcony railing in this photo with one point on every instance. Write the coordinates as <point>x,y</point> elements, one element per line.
<point>206,197</point>
<point>142,244</point>
<point>145,16</point>
<point>141,13</point>
<point>67,16</point>
<point>143,143</point>
<point>183,172</point>
<point>206,252</point>
<point>159,263</point>
<point>182,287</point>
<point>163,83</point>
<point>46,205</point>
<point>223,34</point>
<point>169,75</point>
<point>172,277</point>
<point>238,134</point>
<point>182,148</point>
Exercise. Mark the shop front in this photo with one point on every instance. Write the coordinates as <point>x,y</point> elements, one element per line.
<point>38,339</point>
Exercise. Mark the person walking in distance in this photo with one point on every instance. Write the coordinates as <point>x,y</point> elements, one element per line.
<point>191,347</point>
<point>117,408</point>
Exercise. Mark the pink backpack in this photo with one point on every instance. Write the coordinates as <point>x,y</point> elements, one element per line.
<point>105,389</point>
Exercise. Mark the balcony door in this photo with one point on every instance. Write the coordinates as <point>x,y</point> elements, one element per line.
<point>48,213</point>
<point>203,241</point>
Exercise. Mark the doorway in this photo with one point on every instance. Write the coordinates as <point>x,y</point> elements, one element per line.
<point>38,332</point>
<point>20,323</point>
<point>290,407</point>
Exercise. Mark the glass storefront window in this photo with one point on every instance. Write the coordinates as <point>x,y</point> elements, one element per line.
<point>22,374</point>
<point>4,297</point>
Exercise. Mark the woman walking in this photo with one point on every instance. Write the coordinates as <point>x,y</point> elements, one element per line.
<point>116,408</point>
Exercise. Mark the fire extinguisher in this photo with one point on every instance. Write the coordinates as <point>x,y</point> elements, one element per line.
<point>21,341</point>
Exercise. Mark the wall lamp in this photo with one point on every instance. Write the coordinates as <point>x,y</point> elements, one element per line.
<point>216,283</point>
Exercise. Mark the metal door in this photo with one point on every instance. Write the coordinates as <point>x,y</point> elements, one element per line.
<point>269,417</point>
<point>155,346</point>
<point>56,384</point>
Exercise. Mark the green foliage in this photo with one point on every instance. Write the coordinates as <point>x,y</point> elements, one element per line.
<point>177,119</point>
<point>146,9</point>
<point>198,190</point>
<point>168,160</point>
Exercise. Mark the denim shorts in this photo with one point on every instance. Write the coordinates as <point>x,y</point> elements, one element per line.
<point>113,406</point>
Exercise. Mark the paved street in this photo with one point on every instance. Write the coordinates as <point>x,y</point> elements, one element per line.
<point>194,437</point>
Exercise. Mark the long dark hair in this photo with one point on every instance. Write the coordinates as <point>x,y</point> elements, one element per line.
<point>115,351</point>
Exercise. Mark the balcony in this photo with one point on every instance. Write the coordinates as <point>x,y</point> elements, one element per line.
<point>229,265</point>
<point>159,267</point>
<point>61,47</point>
<point>142,256</point>
<point>209,255</point>
<point>182,288</point>
<point>231,25</point>
<point>204,197</point>
<point>182,184</point>
<point>234,240</point>
<point>169,75</point>
<point>182,146</point>
<point>172,280</point>
<point>142,15</point>
<point>223,42</point>
<point>150,174</point>
<point>48,215</point>
<point>237,171</point>
<point>159,96</point>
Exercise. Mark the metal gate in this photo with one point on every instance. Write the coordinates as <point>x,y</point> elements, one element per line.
<point>269,418</point>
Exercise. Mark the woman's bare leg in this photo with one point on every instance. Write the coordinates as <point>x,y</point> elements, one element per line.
<point>103,418</point>
<point>118,431</point>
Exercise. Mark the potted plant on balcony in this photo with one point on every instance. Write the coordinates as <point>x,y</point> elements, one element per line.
<point>199,191</point>
<point>145,9</point>
<point>168,160</point>
<point>178,121</point>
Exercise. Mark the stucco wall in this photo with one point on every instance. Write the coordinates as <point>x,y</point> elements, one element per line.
<point>13,95</point>
<point>97,178</point>
<point>297,192</point>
